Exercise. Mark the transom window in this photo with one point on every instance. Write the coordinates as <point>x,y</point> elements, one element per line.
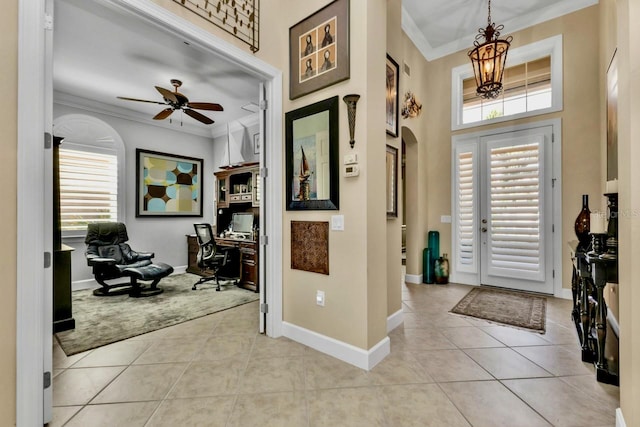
<point>526,87</point>
<point>532,85</point>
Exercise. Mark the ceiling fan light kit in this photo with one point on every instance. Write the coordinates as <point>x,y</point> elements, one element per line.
<point>489,58</point>
<point>177,101</point>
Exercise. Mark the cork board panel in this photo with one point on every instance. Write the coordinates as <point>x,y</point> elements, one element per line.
<point>310,246</point>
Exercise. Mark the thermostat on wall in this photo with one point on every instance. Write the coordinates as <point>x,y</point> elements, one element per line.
<point>351,170</point>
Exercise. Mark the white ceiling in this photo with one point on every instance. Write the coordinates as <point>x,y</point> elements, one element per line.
<point>442,27</point>
<point>101,53</point>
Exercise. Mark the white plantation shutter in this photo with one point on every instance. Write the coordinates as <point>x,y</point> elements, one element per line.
<point>88,187</point>
<point>465,228</point>
<point>515,240</point>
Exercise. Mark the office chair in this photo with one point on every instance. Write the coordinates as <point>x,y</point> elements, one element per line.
<point>220,260</point>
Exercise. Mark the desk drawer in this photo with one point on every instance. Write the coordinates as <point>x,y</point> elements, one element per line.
<point>234,198</point>
<point>246,197</point>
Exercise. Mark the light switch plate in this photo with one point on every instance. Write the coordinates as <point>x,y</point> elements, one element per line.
<point>445,219</point>
<point>320,298</point>
<point>337,222</point>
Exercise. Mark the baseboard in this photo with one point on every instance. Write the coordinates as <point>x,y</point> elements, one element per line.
<point>79,285</point>
<point>620,419</point>
<point>363,359</point>
<point>413,278</point>
<point>395,320</point>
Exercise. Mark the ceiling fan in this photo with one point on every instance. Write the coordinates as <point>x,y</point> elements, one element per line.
<point>177,101</point>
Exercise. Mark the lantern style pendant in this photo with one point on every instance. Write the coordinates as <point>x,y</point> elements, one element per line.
<point>488,59</point>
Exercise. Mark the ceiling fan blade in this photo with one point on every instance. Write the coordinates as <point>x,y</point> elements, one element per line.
<point>200,117</point>
<point>167,94</point>
<point>140,100</point>
<point>205,106</point>
<point>163,114</point>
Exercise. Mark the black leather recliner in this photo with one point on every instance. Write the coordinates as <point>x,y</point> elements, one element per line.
<point>111,258</point>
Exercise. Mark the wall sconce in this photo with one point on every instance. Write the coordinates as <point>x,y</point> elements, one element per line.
<point>351,101</point>
<point>411,107</point>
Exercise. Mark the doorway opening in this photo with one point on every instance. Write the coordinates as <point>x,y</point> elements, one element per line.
<point>35,89</point>
<point>505,208</point>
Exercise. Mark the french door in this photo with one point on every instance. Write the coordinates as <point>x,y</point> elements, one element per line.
<point>503,210</point>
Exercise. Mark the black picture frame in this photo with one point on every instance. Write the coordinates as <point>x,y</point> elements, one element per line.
<point>393,87</point>
<point>392,181</point>
<point>309,128</point>
<point>319,50</point>
<point>159,196</point>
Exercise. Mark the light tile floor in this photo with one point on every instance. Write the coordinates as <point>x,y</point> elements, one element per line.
<point>443,370</point>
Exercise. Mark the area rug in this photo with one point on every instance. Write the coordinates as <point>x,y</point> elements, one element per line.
<point>517,309</point>
<point>104,320</point>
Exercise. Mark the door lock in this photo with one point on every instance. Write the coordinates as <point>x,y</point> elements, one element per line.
<point>484,229</point>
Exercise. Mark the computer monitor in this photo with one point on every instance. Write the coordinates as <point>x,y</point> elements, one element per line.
<point>242,222</point>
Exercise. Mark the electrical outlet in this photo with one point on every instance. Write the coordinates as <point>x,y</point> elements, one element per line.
<point>320,298</point>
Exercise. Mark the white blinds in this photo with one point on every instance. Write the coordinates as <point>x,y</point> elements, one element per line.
<point>88,188</point>
<point>515,233</point>
<point>465,221</point>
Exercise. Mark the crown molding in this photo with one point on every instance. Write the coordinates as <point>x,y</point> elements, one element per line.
<point>518,23</point>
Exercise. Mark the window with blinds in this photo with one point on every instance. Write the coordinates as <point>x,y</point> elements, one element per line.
<point>88,187</point>
<point>465,209</point>
<point>514,197</point>
<point>526,87</point>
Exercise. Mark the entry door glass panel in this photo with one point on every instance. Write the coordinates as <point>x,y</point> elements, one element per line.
<point>514,238</point>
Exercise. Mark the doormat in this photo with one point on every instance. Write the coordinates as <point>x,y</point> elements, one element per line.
<point>104,320</point>
<point>517,309</point>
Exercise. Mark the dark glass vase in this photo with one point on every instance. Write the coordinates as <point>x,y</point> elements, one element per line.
<point>583,224</point>
<point>441,270</point>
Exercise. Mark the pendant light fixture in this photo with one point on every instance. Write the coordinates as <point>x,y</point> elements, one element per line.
<point>488,59</point>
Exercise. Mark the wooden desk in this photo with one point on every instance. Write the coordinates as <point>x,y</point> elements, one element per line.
<point>249,276</point>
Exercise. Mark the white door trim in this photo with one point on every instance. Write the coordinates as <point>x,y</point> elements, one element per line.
<point>556,174</point>
<point>32,122</point>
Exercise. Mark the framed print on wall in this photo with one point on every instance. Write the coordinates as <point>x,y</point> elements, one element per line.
<point>168,185</point>
<point>392,83</point>
<point>612,119</point>
<point>312,156</point>
<point>319,50</point>
<point>256,143</point>
<point>392,181</point>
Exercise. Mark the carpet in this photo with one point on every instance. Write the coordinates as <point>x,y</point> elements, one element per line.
<point>104,320</point>
<point>517,309</point>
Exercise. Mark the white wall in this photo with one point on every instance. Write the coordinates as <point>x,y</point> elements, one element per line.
<point>164,236</point>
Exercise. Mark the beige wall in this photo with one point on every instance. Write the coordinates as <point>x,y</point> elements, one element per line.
<point>8,219</point>
<point>580,125</point>
<point>628,40</point>
<point>394,225</point>
<point>608,44</point>
<point>355,290</point>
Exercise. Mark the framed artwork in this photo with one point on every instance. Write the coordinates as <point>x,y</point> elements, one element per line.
<point>392,83</point>
<point>256,143</point>
<point>319,50</point>
<point>612,119</point>
<point>392,182</point>
<point>167,185</point>
<point>310,246</point>
<point>312,156</point>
